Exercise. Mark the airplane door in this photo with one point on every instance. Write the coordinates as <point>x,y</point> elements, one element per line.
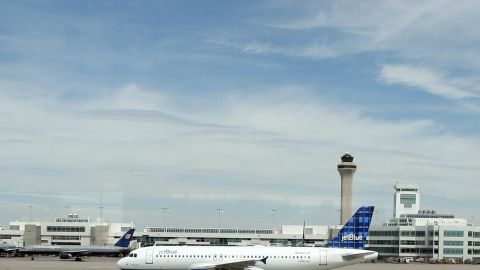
<point>323,257</point>
<point>149,256</point>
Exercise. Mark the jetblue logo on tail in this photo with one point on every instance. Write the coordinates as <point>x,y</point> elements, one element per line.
<point>352,237</point>
<point>354,233</point>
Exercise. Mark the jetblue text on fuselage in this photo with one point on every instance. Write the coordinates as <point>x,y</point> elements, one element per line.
<point>168,251</point>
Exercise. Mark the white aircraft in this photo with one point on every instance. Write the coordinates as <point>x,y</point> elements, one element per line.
<point>345,249</point>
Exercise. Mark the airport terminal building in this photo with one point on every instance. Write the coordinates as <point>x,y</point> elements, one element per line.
<point>289,235</point>
<point>71,230</point>
<point>412,232</point>
<point>74,230</point>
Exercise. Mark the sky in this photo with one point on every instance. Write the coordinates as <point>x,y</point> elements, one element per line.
<point>245,106</point>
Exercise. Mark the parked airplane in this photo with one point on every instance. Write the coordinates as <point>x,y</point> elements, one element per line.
<point>76,252</point>
<point>345,249</point>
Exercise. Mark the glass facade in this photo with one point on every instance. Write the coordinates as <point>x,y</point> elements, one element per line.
<point>382,242</point>
<point>413,233</point>
<point>385,249</point>
<point>417,250</point>
<point>453,233</point>
<point>65,237</point>
<point>453,243</point>
<point>458,251</point>
<point>384,233</point>
<point>412,242</point>
<point>65,229</point>
<point>408,200</point>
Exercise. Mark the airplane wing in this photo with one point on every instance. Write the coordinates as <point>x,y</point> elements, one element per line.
<point>235,265</point>
<point>353,256</point>
<point>76,252</point>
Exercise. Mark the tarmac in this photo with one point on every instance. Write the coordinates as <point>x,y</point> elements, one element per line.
<point>108,263</point>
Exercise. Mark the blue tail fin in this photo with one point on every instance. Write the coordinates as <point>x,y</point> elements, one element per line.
<point>126,238</point>
<point>354,233</point>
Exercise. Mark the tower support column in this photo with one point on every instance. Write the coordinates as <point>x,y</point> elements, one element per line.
<point>346,169</point>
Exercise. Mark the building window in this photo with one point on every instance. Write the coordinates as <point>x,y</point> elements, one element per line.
<point>65,237</point>
<point>7,236</point>
<point>408,200</point>
<point>384,233</point>
<point>452,251</point>
<point>453,233</point>
<point>65,229</point>
<point>453,243</point>
<point>385,249</point>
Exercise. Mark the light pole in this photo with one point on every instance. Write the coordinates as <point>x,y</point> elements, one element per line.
<point>101,213</point>
<point>220,212</point>
<point>273,212</point>
<point>165,210</point>
<point>31,206</point>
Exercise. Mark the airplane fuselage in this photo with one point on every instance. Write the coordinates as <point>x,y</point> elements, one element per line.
<point>275,258</point>
<point>91,250</point>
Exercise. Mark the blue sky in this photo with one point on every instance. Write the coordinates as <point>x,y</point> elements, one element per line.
<point>241,105</point>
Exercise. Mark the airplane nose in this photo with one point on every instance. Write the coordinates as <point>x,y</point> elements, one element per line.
<point>122,264</point>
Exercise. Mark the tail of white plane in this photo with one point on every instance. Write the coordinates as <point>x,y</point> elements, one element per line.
<point>354,233</point>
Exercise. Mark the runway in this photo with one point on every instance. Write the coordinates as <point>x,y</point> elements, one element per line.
<point>45,262</point>
<point>107,263</point>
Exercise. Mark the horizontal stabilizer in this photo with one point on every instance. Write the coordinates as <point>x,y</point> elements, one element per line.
<point>76,252</point>
<point>349,257</point>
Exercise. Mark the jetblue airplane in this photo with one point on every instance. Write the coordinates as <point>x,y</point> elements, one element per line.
<point>76,252</point>
<point>345,249</point>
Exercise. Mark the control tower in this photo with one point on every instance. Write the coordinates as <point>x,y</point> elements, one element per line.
<point>346,168</point>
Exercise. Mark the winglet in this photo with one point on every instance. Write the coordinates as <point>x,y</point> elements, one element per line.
<point>126,238</point>
<point>354,233</point>
<point>264,260</point>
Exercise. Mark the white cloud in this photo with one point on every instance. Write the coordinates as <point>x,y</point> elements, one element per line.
<point>317,50</point>
<point>425,79</point>
<point>284,142</point>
